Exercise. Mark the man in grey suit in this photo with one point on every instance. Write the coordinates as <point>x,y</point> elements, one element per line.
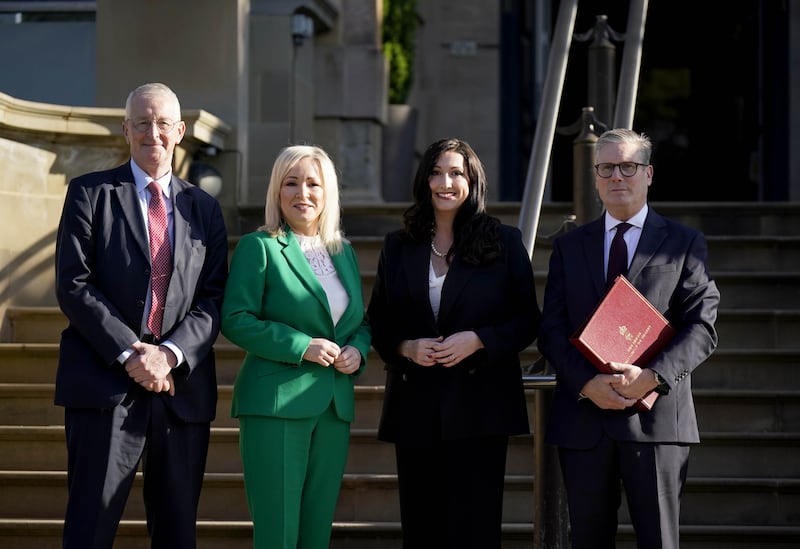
<point>136,370</point>
<point>604,442</point>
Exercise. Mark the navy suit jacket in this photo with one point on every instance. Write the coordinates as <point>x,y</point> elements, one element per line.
<point>481,396</point>
<point>102,277</point>
<point>669,269</point>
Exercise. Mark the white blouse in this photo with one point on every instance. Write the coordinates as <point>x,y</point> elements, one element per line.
<point>323,268</point>
<point>435,290</point>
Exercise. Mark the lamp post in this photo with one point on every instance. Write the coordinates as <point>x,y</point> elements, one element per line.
<point>302,29</point>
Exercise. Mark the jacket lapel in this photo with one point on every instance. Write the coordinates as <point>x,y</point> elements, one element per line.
<point>593,245</point>
<point>458,275</point>
<point>653,235</point>
<point>182,205</point>
<point>416,262</point>
<point>129,201</point>
<point>298,263</point>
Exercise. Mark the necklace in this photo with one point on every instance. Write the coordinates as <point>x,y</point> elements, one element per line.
<point>436,252</point>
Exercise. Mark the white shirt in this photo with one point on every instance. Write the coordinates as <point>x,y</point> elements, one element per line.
<point>631,237</point>
<point>142,180</point>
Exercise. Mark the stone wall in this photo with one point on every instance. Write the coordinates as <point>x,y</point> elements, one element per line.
<point>42,147</point>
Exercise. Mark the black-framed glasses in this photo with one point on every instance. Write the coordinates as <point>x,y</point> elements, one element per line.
<point>163,125</point>
<point>628,169</point>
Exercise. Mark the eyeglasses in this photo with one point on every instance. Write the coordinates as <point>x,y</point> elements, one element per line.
<point>164,126</point>
<point>628,169</point>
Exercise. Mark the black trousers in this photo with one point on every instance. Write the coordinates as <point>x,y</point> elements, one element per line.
<point>451,494</point>
<point>653,476</point>
<point>104,449</point>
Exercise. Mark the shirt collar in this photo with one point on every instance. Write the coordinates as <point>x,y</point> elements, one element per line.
<point>637,220</point>
<point>142,179</point>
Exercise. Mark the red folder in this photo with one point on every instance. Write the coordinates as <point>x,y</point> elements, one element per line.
<point>624,327</point>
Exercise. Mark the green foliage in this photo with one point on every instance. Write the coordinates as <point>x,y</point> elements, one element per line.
<point>399,26</point>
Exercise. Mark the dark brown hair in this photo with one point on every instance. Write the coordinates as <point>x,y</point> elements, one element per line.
<point>475,233</point>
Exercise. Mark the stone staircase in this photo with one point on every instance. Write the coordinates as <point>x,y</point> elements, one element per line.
<point>744,479</point>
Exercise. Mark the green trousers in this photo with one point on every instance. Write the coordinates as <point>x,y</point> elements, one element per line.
<point>292,475</point>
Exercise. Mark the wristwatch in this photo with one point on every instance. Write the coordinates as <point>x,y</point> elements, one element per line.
<point>663,387</point>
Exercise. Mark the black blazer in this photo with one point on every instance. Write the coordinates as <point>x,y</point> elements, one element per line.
<point>669,268</point>
<point>102,276</point>
<point>482,395</point>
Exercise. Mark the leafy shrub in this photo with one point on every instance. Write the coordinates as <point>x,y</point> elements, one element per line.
<point>399,26</point>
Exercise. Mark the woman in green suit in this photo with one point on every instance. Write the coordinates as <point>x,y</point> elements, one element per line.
<point>294,302</point>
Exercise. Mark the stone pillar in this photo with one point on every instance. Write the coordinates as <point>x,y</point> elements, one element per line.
<point>351,91</point>
<point>281,91</point>
<point>317,77</point>
<point>199,48</point>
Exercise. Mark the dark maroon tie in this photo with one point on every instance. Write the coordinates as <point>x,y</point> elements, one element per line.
<point>160,258</point>
<point>617,255</point>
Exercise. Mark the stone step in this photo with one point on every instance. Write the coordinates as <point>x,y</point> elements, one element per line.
<point>374,498</point>
<point>758,328</point>
<point>759,290</point>
<point>746,293</point>
<point>757,454</point>
<point>712,218</point>
<point>753,368</point>
<point>723,410</point>
<point>739,253</point>
<point>778,253</point>
<point>737,328</point>
<point>43,448</point>
<point>363,498</point>
<point>725,253</point>
<point>46,534</point>
<point>132,534</point>
<point>31,404</point>
<point>37,363</point>
<point>761,369</point>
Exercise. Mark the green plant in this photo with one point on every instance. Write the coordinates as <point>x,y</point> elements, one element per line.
<point>399,26</point>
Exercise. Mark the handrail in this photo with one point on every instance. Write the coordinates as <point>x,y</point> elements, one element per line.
<point>530,211</point>
<point>631,63</point>
<point>550,521</point>
<point>549,516</point>
<point>539,162</point>
<point>539,381</point>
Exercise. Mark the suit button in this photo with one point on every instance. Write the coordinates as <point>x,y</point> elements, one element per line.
<point>140,303</point>
<point>405,377</point>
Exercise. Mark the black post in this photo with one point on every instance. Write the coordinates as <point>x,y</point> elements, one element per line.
<point>601,70</point>
<point>551,531</point>
<point>586,203</point>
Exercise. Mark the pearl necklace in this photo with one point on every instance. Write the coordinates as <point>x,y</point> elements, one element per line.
<point>436,252</point>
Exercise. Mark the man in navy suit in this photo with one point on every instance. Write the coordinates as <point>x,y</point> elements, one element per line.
<point>135,390</point>
<point>604,442</point>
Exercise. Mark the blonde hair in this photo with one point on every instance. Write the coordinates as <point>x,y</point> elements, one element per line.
<point>329,218</point>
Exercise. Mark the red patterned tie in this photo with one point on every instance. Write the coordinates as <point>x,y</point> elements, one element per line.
<point>617,254</point>
<point>160,257</point>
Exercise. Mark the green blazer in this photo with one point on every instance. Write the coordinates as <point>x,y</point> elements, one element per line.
<point>273,306</point>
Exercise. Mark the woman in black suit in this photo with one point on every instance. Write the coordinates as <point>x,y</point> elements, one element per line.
<point>453,305</point>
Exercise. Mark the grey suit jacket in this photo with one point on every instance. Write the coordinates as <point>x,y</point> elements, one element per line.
<point>102,276</point>
<point>669,268</point>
